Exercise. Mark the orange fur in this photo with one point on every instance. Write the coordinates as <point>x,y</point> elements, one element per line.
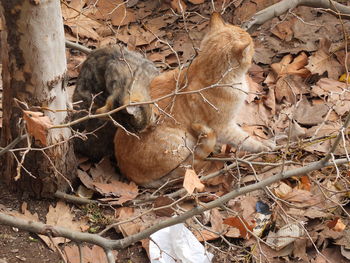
<point>198,119</point>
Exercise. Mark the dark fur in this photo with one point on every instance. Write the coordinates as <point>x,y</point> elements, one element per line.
<point>120,76</point>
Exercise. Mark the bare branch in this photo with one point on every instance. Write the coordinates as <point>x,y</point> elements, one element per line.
<point>70,44</point>
<point>107,244</point>
<point>282,7</point>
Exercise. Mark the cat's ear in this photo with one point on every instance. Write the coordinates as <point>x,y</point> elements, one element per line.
<point>216,21</point>
<point>246,49</point>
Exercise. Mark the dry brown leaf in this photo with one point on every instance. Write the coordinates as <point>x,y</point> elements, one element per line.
<point>192,182</point>
<point>254,90</point>
<point>145,245</point>
<point>323,61</point>
<point>124,191</point>
<point>282,190</point>
<point>37,125</point>
<point>156,57</point>
<point>86,179</point>
<point>205,235</point>
<point>309,114</point>
<point>179,6</point>
<point>216,220</point>
<point>289,87</point>
<point>114,10</point>
<point>95,254</point>
<point>106,168</point>
<point>61,215</point>
<point>142,37</point>
<point>233,232</point>
<point>305,183</point>
<point>24,214</point>
<point>122,16</point>
<point>299,196</point>
<point>291,66</point>
<point>240,224</point>
<point>79,21</point>
<point>196,2</point>
<point>163,201</point>
<point>184,46</point>
<point>128,228</point>
<point>284,30</point>
<point>336,224</point>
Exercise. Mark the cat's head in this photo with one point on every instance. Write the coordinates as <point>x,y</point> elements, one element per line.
<point>229,42</point>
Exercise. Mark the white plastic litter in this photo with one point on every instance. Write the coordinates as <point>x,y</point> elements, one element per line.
<point>177,243</point>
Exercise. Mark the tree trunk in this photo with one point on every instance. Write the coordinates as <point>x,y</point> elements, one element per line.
<point>34,68</point>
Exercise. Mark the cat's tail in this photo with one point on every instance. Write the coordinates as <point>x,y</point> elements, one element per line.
<point>205,143</point>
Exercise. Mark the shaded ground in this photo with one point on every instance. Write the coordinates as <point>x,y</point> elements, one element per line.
<point>19,246</point>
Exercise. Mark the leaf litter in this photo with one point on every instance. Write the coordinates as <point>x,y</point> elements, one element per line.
<point>295,91</point>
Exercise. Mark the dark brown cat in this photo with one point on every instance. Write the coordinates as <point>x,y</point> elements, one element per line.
<point>119,77</point>
<point>210,93</point>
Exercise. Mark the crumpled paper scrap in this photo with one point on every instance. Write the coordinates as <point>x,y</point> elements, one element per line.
<point>177,243</point>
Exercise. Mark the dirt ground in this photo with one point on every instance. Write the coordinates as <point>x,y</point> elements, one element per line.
<point>19,246</point>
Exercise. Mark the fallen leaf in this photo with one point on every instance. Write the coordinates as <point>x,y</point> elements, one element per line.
<point>286,235</point>
<point>299,250</point>
<point>124,191</point>
<point>284,30</point>
<point>323,61</point>
<point>24,214</point>
<point>37,125</point>
<point>240,224</point>
<point>145,245</point>
<point>163,201</point>
<point>192,182</point>
<point>305,183</point>
<point>309,114</point>
<point>289,87</point>
<point>216,220</point>
<point>205,235</point>
<point>95,254</point>
<point>282,190</point>
<point>196,2</point>
<point>336,224</point>
<point>61,215</point>
<point>79,21</point>
<point>254,90</point>
<point>302,198</point>
<point>179,6</point>
<point>128,228</point>
<point>291,66</point>
<point>114,10</point>
<point>233,232</point>
<point>85,179</point>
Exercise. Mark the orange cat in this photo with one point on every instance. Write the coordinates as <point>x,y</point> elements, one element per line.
<point>210,93</point>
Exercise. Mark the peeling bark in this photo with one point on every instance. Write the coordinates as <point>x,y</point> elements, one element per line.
<point>34,68</point>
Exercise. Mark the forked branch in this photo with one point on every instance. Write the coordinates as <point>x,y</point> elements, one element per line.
<point>282,7</point>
